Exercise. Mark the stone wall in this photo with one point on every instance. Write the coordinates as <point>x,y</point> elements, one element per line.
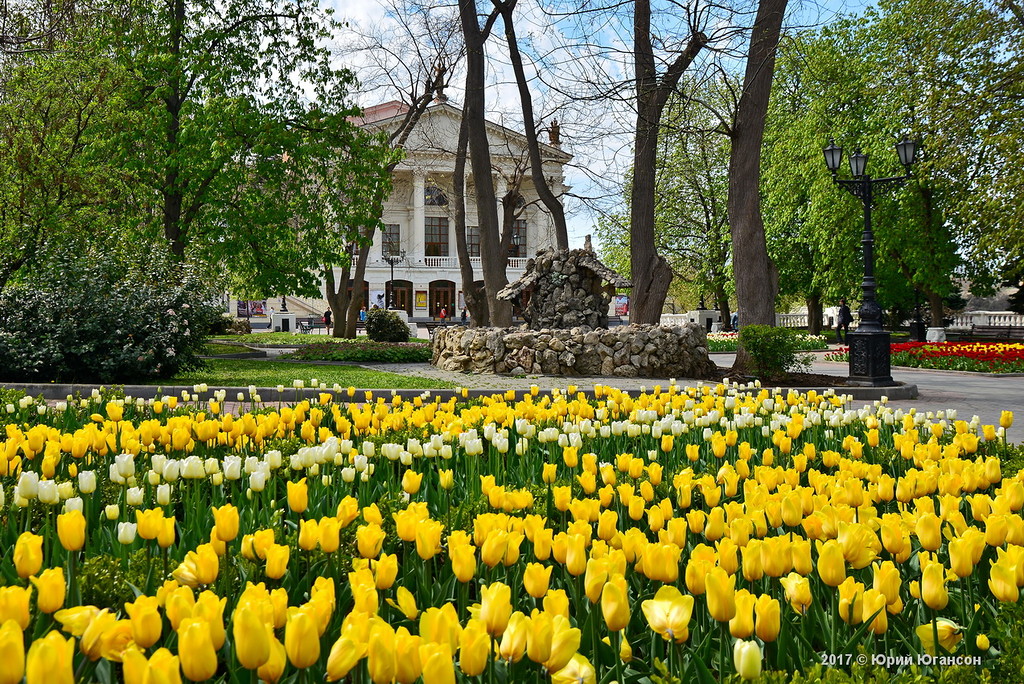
<point>627,351</point>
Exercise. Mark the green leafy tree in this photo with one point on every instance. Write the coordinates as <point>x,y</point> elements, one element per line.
<point>908,67</point>
<point>238,133</point>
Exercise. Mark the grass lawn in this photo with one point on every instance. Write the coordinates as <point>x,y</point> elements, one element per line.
<point>294,339</point>
<point>241,373</point>
<point>213,349</point>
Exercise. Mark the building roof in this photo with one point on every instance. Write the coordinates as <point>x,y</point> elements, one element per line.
<point>382,115</point>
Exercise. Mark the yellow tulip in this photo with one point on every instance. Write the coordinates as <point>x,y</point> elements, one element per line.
<point>195,649</point>
<point>28,554</point>
<point>981,642</point>
<point>406,603</point>
<point>49,660</point>
<point>344,656</point>
<point>272,670</point>
<point>741,626</point>
<point>437,665</point>
<point>1002,582</point>
<point>381,655</point>
<point>565,641</point>
<point>929,531</point>
<point>369,540</point>
<point>166,536</point>
<point>668,614</point>
<point>949,634</point>
<point>249,637</point>
<point>615,603</point>
<point>74,621</point>
<point>446,479</point>
<point>147,625</point>
<point>301,640</point>
<point>411,482</point>
<point>199,567</point>
<point>851,601</point>
<point>721,595</point>
<point>14,605</point>
<point>798,592</point>
<point>226,520</point>
<point>428,539</point>
<point>576,555</point>
<point>512,646</point>
<point>536,579</point>
<point>463,562</point>
<point>831,563</point>
<point>150,522</point>
<point>767,618</point>
<point>549,473</point>
<point>933,586</point>
<point>50,590</point>
<point>298,496</point>
<point>474,648</point>
<point>210,609</point>
<point>577,671</point>
<point>495,607</point>
<point>12,652</point>
<point>556,602</point>
<point>277,561</point>
<point>309,534</point>
<point>71,530</point>
<point>1006,419</point>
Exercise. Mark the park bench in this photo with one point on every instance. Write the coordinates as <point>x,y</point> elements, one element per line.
<point>994,333</point>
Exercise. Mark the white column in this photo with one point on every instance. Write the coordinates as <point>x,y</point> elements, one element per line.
<point>417,230</point>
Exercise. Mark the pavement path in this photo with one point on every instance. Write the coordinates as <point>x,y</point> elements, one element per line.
<point>969,394</point>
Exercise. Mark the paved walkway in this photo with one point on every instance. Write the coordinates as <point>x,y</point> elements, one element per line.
<point>970,394</point>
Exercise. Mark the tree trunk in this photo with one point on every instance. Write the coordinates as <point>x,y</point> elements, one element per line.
<point>355,302</point>
<point>552,203</point>
<point>756,276</point>
<point>815,314</point>
<point>493,261</point>
<point>650,272</point>
<point>476,299</point>
<point>722,303</point>
<point>173,195</point>
<point>935,306</point>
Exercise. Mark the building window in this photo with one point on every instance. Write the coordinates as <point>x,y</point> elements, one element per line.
<point>517,247</point>
<point>436,237</point>
<point>392,236</point>
<point>473,240</point>
<point>433,196</point>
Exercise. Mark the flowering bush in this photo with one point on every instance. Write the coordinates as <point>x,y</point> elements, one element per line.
<point>94,320</point>
<point>984,357</point>
<point>729,341</point>
<point>696,533</point>
<point>364,351</point>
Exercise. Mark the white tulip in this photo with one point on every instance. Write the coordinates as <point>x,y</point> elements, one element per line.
<point>211,466</point>
<point>87,481</point>
<point>217,479</point>
<point>133,496</point>
<point>274,459</point>
<point>125,465</point>
<point>157,462</point>
<point>348,474</point>
<point>112,512</point>
<point>163,495</point>
<point>126,532</point>
<point>232,467</point>
<point>257,481</point>
<point>65,490</point>
<point>74,503</point>
<point>153,478</point>
<point>28,485</point>
<point>192,468</point>
<point>48,492</point>
<point>172,470</point>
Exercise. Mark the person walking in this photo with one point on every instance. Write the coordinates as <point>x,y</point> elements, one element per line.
<point>843,322</point>
<point>327,320</point>
<point>465,316</point>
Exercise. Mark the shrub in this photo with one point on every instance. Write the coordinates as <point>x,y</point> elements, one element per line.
<point>95,319</point>
<point>386,326</point>
<point>378,352</point>
<point>773,350</point>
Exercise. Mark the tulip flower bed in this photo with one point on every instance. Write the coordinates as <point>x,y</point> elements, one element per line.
<point>680,534</point>
<point>980,357</point>
<point>729,342</point>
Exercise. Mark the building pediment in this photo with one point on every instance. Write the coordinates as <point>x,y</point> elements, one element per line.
<point>436,134</point>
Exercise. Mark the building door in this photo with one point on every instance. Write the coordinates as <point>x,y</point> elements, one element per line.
<point>366,292</point>
<point>403,295</point>
<point>442,296</point>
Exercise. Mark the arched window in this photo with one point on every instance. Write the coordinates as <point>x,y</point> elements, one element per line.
<point>434,196</point>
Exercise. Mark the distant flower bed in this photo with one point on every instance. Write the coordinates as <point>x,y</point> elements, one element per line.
<point>364,351</point>
<point>980,357</point>
<point>728,341</point>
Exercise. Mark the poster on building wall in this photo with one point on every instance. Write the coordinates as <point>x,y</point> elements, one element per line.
<point>462,301</point>
<point>421,299</point>
<point>378,298</point>
<point>621,305</point>
<point>247,309</point>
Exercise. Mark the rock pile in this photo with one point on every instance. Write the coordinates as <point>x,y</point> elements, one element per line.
<point>564,290</point>
<point>629,351</point>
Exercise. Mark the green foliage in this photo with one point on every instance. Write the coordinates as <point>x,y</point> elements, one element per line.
<point>244,372</point>
<point>94,319</point>
<point>106,583</point>
<point>373,352</point>
<point>298,339</point>
<point>773,351</point>
<point>386,326</point>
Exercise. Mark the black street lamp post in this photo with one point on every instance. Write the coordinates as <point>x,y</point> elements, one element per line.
<point>393,259</point>
<point>869,342</point>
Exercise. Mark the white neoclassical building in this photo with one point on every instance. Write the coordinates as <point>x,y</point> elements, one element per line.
<point>417,241</point>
